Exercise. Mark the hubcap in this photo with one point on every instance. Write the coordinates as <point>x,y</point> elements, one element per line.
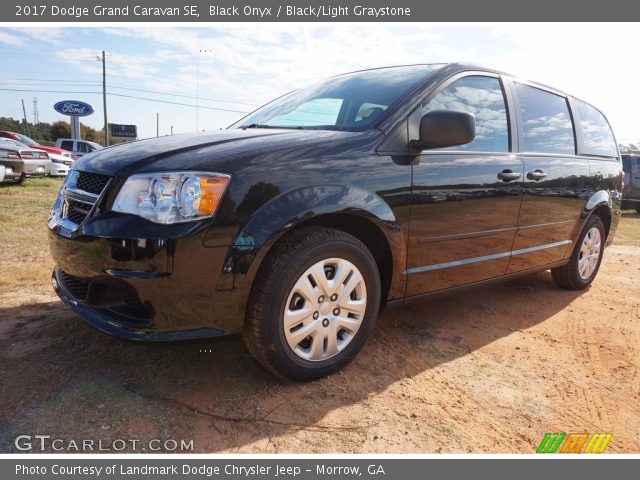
<point>336,289</point>
<point>589,253</point>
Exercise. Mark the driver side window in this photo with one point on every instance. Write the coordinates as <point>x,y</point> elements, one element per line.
<point>482,97</point>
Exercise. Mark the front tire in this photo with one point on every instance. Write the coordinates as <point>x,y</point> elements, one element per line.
<point>313,304</point>
<point>585,259</point>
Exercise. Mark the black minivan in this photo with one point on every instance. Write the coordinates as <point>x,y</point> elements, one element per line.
<point>303,220</point>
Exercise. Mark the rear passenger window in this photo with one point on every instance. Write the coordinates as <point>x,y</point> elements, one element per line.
<point>483,97</point>
<point>546,121</point>
<point>596,133</point>
<point>67,145</point>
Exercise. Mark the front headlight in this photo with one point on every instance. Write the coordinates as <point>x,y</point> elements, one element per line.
<point>172,197</point>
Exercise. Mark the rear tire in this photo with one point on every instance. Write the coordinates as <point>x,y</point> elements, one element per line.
<point>585,259</point>
<point>313,304</point>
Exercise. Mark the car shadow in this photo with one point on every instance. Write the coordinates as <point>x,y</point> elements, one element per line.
<point>62,378</point>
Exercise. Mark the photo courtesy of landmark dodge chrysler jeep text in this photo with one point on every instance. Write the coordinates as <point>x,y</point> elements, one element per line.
<point>300,222</point>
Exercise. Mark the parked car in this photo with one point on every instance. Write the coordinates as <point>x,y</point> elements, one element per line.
<point>60,165</point>
<point>300,222</point>
<point>36,162</point>
<point>11,161</point>
<point>77,148</point>
<point>31,143</point>
<point>631,192</point>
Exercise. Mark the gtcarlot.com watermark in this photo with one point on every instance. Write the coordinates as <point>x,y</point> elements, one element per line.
<point>47,443</point>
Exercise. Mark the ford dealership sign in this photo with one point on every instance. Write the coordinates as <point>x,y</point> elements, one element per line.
<point>73,108</point>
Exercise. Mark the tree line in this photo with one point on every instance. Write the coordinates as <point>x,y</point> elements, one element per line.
<point>47,133</point>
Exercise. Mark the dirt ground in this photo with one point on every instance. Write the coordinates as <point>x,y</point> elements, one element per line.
<point>492,373</point>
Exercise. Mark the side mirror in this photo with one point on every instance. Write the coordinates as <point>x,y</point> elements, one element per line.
<point>445,128</point>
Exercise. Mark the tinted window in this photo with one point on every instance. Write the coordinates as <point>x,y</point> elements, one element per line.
<point>481,96</point>
<point>314,107</point>
<point>546,121</point>
<point>596,133</point>
<point>83,147</point>
<point>67,145</point>
<point>319,111</point>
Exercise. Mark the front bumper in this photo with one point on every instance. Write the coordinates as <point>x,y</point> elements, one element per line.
<point>59,170</point>
<point>148,289</point>
<point>125,319</point>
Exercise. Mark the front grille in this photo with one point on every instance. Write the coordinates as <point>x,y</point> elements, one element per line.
<point>77,211</point>
<point>79,195</point>
<point>92,182</point>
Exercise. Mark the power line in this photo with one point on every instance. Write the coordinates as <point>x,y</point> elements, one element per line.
<point>118,86</point>
<point>125,96</point>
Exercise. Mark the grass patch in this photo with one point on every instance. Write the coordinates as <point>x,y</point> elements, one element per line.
<point>26,262</point>
<point>628,232</point>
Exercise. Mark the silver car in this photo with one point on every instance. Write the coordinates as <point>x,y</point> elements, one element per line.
<point>36,162</point>
<point>11,163</point>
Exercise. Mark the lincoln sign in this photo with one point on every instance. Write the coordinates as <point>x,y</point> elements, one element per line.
<point>73,108</point>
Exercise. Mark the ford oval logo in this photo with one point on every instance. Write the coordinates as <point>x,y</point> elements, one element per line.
<point>73,108</point>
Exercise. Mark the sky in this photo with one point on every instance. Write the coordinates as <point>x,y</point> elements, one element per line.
<point>205,78</point>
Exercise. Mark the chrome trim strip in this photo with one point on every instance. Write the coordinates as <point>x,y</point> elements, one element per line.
<point>484,258</point>
<point>83,193</point>
<point>550,224</point>
<point>460,236</point>
<point>540,247</point>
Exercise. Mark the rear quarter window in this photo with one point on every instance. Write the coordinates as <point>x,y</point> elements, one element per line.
<point>597,137</point>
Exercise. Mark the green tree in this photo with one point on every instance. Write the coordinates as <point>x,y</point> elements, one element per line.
<point>60,129</point>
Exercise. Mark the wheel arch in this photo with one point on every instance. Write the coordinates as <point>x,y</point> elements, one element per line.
<point>600,204</point>
<point>350,209</point>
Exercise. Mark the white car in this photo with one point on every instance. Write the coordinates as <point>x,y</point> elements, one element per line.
<point>60,165</point>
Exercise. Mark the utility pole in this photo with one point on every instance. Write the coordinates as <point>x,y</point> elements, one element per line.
<point>26,124</point>
<point>36,117</point>
<point>104,100</point>
<point>157,124</point>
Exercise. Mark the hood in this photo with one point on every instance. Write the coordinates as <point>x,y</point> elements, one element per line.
<point>195,151</point>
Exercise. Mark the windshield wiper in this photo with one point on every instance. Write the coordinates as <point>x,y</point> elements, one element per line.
<point>256,125</point>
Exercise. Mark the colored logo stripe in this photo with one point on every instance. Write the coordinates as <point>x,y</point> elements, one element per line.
<point>598,442</point>
<point>550,442</point>
<point>574,443</point>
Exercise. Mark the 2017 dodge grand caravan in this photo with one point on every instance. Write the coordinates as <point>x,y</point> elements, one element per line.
<point>300,222</point>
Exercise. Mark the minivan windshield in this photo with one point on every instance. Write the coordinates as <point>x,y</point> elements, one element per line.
<point>347,102</point>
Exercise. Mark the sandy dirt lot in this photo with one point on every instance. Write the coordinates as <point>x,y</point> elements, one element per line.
<point>491,373</point>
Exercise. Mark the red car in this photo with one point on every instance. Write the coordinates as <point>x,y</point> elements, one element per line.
<point>32,143</point>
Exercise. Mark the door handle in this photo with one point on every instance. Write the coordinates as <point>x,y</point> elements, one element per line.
<point>536,175</point>
<point>507,175</point>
